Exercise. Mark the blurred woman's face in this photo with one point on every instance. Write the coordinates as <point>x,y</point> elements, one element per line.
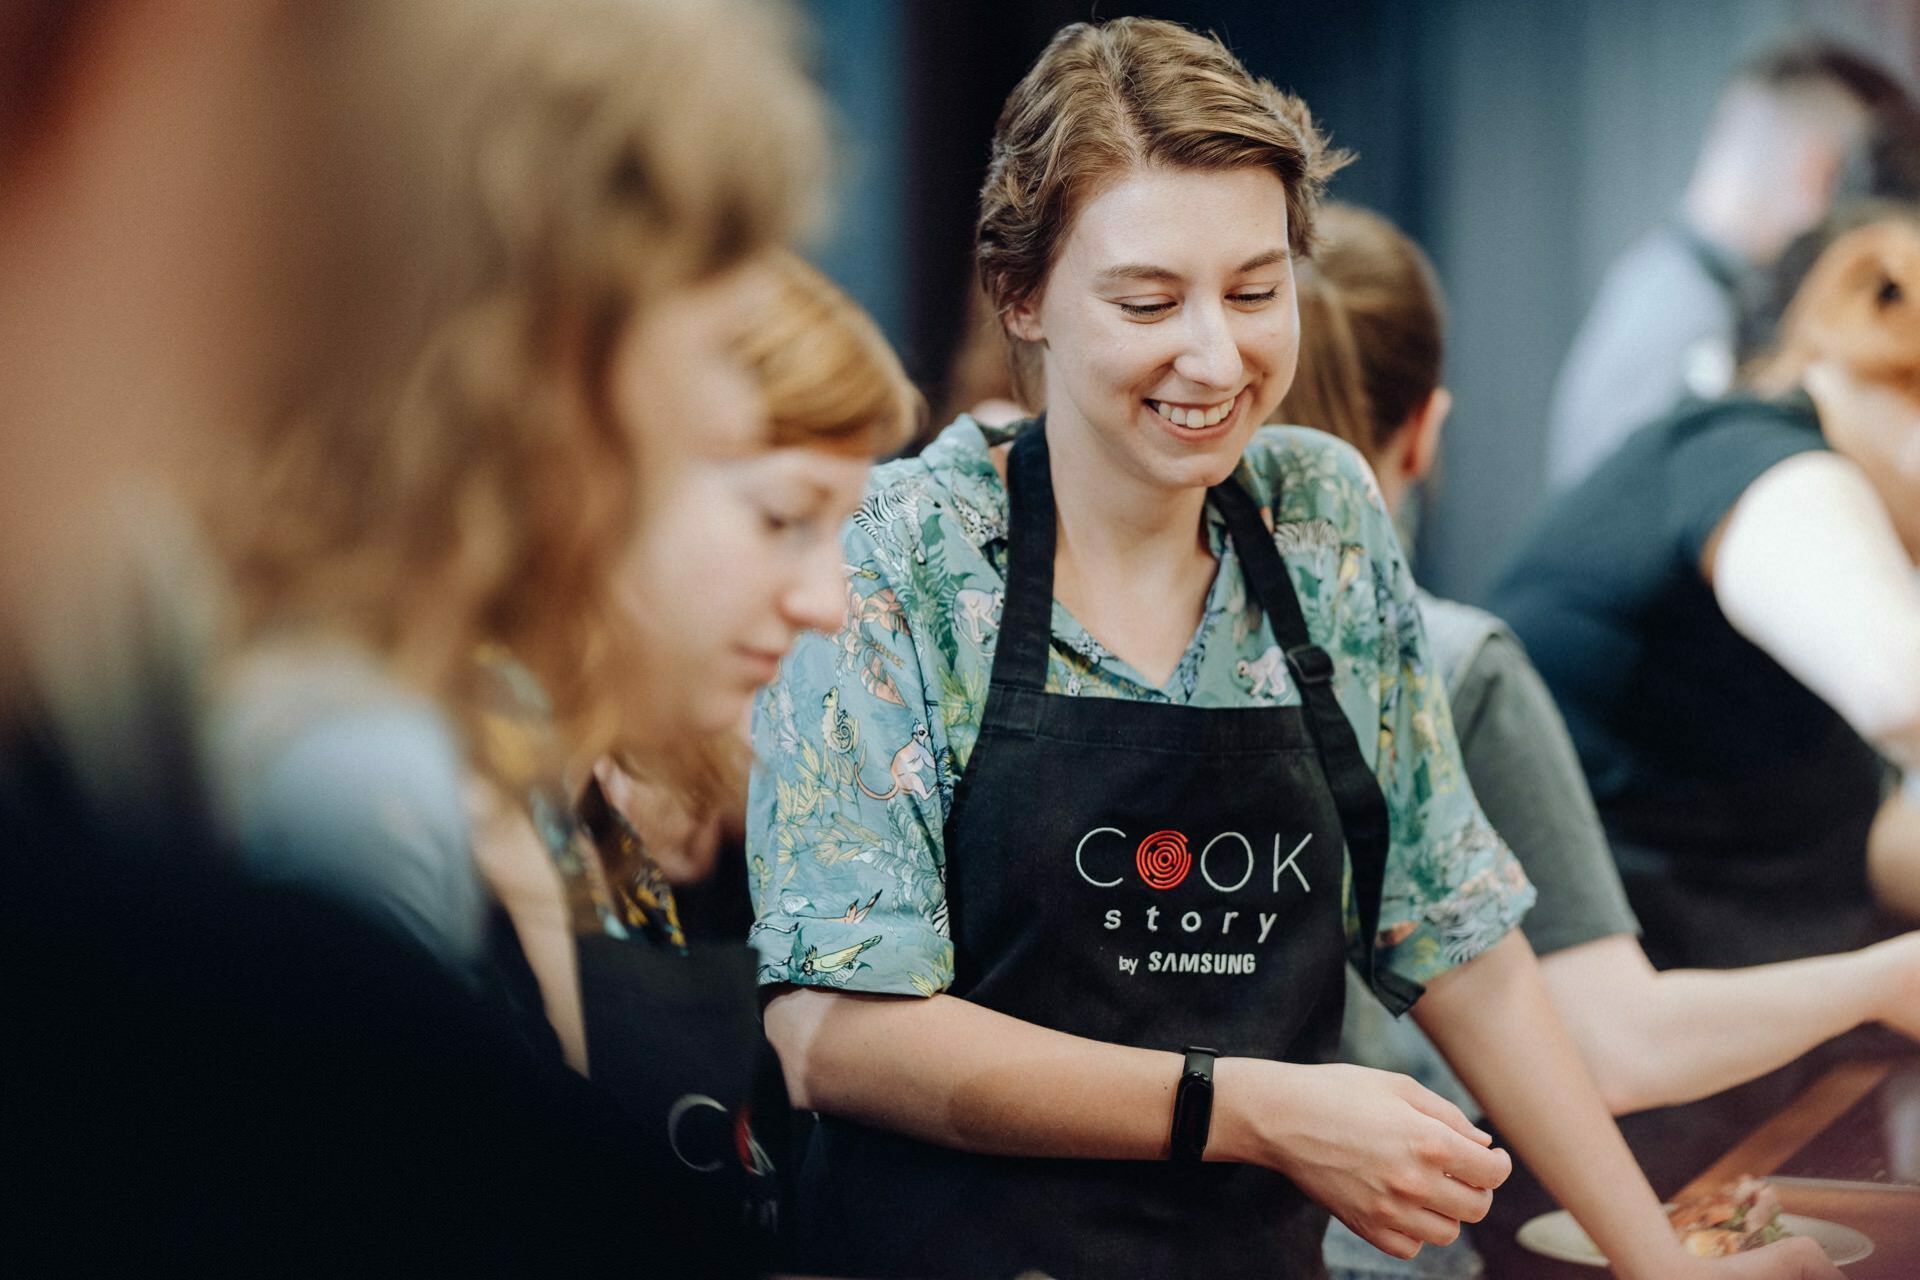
<point>738,548</point>
<point>1168,321</point>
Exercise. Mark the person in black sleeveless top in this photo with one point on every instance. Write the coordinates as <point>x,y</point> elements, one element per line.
<point>1727,614</point>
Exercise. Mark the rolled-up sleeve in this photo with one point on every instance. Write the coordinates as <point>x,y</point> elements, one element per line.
<point>845,809</point>
<point>1453,888</point>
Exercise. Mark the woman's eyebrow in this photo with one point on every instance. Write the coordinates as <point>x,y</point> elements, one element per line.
<point>1137,271</point>
<point>1132,271</point>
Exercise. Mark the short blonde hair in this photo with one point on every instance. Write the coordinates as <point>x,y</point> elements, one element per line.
<point>612,151</point>
<point>1106,98</point>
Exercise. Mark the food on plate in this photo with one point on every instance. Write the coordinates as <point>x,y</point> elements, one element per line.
<point>1741,1215</point>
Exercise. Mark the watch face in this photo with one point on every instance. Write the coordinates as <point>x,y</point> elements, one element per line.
<point>1192,1116</point>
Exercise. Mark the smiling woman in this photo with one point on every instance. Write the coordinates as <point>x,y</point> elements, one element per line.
<point>1143,613</point>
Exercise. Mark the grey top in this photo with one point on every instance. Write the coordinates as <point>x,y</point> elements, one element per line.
<point>1664,327</point>
<point>1522,767</point>
<point>334,775</point>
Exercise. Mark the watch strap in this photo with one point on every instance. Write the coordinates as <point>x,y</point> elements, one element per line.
<point>1193,1106</point>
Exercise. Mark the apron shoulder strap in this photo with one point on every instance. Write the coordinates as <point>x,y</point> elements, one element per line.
<point>1026,619</point>
<point>1356,791</point>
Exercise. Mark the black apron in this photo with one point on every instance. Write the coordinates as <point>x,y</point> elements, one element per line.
<point>673,1034</point>
<point>1142,874</point>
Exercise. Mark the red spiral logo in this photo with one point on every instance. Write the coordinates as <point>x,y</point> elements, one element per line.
<point>1163,859</point>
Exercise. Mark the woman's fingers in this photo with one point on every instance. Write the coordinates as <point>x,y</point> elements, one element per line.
<point>1426,1101</point>
<point>1460,1201</point>
<point>1477,1166</point>
<point>1396,1244</point>
<point>1431,1228</point>
<point>1462,1153</point>
<point>1795,1259</point>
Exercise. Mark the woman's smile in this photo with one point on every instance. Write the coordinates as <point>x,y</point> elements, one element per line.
<point>1198,422</point>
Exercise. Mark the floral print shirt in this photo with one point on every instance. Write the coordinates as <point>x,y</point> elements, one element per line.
<point>864,735</point>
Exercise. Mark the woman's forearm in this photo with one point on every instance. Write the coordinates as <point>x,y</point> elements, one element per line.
<point>1655,1039</point>
<point>1394,1161</point>
<point>1494,1021</point>
<point>959,1075</point>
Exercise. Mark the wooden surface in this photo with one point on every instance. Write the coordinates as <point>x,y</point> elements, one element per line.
<point>1891,1218</point>
<point>1768,1147</point>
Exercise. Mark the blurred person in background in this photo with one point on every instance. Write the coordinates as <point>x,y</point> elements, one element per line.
<point>1372,336</point>
<point>986,941</point>
<point>449,584</point>
<point>1727,614</point>
<point>270,1061</point>
<point>1795,130</point>
<point>207,213</point>
<point>394,551</point>
<point>735,556</point>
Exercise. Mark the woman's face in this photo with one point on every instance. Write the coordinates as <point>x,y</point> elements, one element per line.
<point>1168,321</point>
<point>738,549</point>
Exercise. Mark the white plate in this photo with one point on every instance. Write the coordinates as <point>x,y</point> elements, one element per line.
<point>1558,1236</point>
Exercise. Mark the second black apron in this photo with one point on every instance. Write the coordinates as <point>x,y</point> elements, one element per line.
<point>1143,874</point>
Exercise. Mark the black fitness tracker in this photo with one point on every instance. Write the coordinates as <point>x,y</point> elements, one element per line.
<point>1193,1106</point>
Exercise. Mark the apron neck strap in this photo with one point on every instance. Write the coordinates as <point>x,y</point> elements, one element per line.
<point>1260,561</point>
<point>1026,619</point>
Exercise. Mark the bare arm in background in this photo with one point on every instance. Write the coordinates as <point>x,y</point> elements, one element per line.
<point>1649,1038</point>
<point>1893,862</point>
<point>1810,567</point>
<point>1655,1039</point>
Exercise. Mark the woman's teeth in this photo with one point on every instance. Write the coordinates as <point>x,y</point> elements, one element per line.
<point>1193,418</point>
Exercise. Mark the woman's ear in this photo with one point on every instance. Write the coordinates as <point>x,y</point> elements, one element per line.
<point>1418,444</point>
<point>1023,320</point>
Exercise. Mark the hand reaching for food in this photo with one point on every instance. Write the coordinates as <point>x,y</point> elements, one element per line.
<point>1727,1220</point>
<point>1739,1226</point>
<point>1796,1258</point>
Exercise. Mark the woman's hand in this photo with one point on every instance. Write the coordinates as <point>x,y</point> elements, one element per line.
<point>1796,1259</point>
<point>1393,1160</point>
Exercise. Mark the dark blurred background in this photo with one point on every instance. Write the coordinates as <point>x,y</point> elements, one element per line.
<point>1523,143</point>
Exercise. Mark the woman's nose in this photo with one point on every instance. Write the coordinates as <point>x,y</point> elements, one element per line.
<point>1211,357</point>
<point>816,598</point>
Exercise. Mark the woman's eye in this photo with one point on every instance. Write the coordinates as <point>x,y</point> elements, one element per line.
<point>1254,299</point>
<point>1145,310</point>
<point>786,524</point>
